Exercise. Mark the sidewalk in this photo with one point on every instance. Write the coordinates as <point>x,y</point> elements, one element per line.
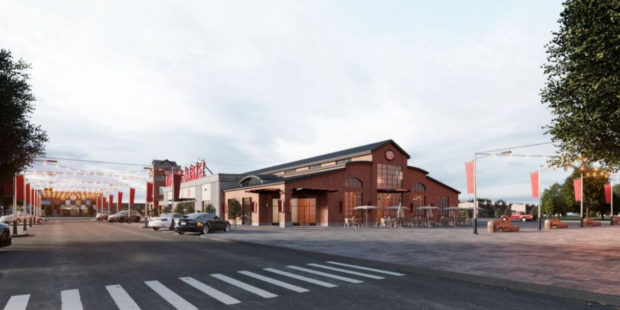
<point>577,258</point>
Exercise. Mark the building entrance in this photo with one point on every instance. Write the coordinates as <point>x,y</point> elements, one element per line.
<point>303,211</point>
<point>385,200</point>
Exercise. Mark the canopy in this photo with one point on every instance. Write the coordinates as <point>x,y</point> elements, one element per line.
<point>365,208</point>
<point>428,208</point>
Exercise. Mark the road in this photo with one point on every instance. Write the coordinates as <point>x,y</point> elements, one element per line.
<point>110,266</point>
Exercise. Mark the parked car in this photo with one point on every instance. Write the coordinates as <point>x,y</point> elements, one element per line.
<point>202,223</point>
<point>521,216</point>
<point>123,216</point>
<point>5,235</point>
<point>8,219</point>
<point>102,216</point>
<point>165,220</point>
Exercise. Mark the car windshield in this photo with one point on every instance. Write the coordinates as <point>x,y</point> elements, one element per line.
<point>194,216</point>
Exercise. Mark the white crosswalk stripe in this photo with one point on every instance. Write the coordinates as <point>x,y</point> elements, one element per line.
<point>17,302</point>
<point>223,298</point>
<point>301,278</point>
<point>171,297</point>
<point>325,274</point>
<point>367,269</point>
<point>273,281</point>
<point>365,275</point>
<point>70,300</point>
<point>244,286</point>
<point>121,298</point>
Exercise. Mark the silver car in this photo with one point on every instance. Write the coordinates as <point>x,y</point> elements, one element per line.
<point>165,221</point>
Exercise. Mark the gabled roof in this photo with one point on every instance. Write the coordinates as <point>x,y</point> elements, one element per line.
<point>444,184</point>
<point>360,150</point>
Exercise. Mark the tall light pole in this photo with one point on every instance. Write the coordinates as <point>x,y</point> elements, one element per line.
<point>539,199</point>
<point>146,206</point>
<point>15,204</point>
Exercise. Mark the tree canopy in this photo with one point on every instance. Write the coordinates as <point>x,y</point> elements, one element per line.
<point>22,141</point>
<point>583,82</point>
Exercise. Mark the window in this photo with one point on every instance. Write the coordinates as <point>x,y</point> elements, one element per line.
<point>389,176</point>
<point>343,161</point>
<point>251,181</point>
<point>351,200</point>
<point>419,187</point>
<point>313,167</point>
<point>443,202</point>
<point>353,182</point>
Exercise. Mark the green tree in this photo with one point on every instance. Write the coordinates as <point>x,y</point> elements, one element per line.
<point>555,200</point>
<point>593,192</point>
<point>210,209</point>
<point>582,87</point>
<point>22,141</point>
<point>234,210</point>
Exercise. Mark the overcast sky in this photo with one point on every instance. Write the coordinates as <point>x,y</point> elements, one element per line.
<point>249,84</point>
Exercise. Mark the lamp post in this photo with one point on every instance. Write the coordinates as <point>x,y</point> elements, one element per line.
<point>146,206</point>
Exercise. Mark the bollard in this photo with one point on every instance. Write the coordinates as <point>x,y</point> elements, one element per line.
<point>490,227</point>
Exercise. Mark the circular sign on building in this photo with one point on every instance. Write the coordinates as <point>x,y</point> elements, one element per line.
<point>389,154</point>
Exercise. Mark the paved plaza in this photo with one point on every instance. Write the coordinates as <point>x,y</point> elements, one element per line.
<point>577,258</point>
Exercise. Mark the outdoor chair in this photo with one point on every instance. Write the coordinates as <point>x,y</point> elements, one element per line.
<point>355,222</point>
<point>590,222</point>
<point>347,222</point>
<point>503,225</point>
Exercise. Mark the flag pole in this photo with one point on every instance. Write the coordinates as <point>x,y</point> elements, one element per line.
<point>539,200</point>
<point>581,203</point>
<point>15,204</point>
<point>475,195</point>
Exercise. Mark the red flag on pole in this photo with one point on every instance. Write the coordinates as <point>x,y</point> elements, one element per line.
<point>534,180</point>
<point>132,194</point>
<point>20,188</point>
<point>28,193</point>
<point>607,193</point>
<point>577,188</point>
<point>469,173</point>
<point>177,186</point>
<point>120,199</point>
<point>149,192</point>
<point>111,197</point>
<point>104,202</point>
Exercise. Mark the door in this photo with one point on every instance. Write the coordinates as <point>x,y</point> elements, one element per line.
<point>306,211</point>
<point>275,212</point>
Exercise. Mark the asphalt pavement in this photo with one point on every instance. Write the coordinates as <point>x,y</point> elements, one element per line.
<point>90,265</point>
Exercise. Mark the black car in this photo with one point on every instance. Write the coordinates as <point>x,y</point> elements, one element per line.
<point>5,235</point>
<point>123,216</point>
<point>203,223</point>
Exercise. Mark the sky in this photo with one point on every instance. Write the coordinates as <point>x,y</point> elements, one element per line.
<point>250,84</point>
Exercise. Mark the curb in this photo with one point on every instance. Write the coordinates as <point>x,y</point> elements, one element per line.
<point>20,235</point>
<point>604,299</point>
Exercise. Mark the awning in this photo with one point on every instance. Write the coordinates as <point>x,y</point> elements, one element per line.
<point>306,189</point>
<point>264,190</point>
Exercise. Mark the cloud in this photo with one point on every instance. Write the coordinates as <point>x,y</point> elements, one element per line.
<point>246,85</point>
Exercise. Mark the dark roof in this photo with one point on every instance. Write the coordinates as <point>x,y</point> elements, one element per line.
<point>343,153</point>
<point>435,180</point>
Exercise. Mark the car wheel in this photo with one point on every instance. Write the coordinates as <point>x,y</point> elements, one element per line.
<point>500,229</point>
<point>523,220</point>
<point>206,229</point>
<point>227,229</point>
<point>180,232</point>
<point>155,228</point>
<point>122,220</point>
<point>39,221</point>
<point>137,219</point>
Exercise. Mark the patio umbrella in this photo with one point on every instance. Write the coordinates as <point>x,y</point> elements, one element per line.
<point>366,208</point>
<point>399,212</point>
<point>425,208</point>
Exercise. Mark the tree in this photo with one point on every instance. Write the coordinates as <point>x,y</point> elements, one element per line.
<point>234,210</point>
<point>582,87</point>
<point>22,141</point>
<point>593,192</point>
<point>555,200</point>
<point>210,209</point>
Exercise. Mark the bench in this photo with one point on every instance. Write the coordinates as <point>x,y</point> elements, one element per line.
<point>502,225</point>
<point>556,223</point>
<point>590,222</point>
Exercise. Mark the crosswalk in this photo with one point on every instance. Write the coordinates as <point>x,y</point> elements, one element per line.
<point>298,279</point>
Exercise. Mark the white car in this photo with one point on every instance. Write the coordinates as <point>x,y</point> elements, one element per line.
<point>165,221</point>
<point>8,219</point>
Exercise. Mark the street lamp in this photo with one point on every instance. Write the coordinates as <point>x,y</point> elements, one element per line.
<point>146,208</point>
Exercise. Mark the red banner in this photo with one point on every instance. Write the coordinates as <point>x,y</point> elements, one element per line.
<point>111,197</point>
<point>119,203</point>
<point>534,180</point>
<point>8,189</point>
<point>149,192</point>
<point>577,188</point>
<point>177,186</point>
<point>132,195</point>
<point>98,204</point>
<point>607,193</point>
<point>20,188</point>
<point>28,193</point>
<point>469,173</point>
<point>104,202</point>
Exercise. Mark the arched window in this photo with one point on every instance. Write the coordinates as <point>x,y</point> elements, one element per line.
<point>353,182</point>
<point>419,187</point>
<point>250,180</point>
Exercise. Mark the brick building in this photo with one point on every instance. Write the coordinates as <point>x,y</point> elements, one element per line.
<point>323,190</point>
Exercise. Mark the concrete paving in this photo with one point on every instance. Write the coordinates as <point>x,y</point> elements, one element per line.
<point>585,259</point>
